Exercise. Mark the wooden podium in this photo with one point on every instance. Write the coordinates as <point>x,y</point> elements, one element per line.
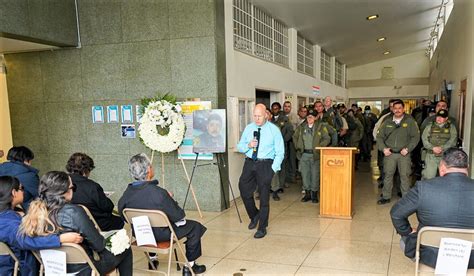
<point>337,182</point>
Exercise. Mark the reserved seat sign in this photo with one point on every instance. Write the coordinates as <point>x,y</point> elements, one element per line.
<point>453,257</point>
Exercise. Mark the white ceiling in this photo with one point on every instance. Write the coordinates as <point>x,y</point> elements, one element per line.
<point>341,29</point>
<point>9,45</point>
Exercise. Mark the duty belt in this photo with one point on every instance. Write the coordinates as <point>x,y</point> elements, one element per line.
<point>308,151</point>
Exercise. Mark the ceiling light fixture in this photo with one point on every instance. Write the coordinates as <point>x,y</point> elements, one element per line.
<point>381,39</point>
<point>372,17</point>
<point>386,52</point>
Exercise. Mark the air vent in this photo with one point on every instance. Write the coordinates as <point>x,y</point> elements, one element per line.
<point>388,73</point>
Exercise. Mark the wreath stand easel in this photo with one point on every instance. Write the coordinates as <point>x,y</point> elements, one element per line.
<point>185,172</point>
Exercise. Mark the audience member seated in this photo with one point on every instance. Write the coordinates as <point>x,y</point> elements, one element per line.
<point>19,166</point>
<point>53,213</point>
<point>11,194</point>
<point>446,201</point>
<point>145,193</point>
<point>90,194</point>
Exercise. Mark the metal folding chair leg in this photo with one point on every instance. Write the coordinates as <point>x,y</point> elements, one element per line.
<point>178,268</point>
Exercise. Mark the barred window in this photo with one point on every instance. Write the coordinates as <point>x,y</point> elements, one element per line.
<point>325,67</point>
<point>243,26</point>
<point>281,43</point>
<point>259,34</point>
<point>338,73</point>
<point>263,34</point>
<point>304,56</point>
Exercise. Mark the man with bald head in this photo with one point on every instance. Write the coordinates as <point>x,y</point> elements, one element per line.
<point>264,149</point>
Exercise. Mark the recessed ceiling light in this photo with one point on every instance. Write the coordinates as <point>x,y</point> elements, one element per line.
<point>372,17</point>
<point>381,39</point>
<point>386,52</point>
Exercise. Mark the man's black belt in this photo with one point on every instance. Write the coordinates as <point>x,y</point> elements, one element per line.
<point>308,151</point>
<point>259,159</point>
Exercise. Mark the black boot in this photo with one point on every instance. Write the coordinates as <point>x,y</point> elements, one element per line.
<point>314,197</point>
<point>307,196</point>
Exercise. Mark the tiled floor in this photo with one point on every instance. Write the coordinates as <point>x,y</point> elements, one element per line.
<point>299,242</point>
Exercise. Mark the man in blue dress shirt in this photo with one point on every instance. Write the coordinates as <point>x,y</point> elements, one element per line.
<point>263,146</point>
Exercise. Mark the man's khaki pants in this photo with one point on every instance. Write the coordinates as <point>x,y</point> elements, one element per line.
<point>390,164</point>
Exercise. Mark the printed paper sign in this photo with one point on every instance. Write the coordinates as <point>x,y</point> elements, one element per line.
<point>54,262</point>
<point>97,114</point>
<point>112,114</point>
<point>128,131</point>
<point>453,257</point>
<point>127,114</point>
<point>143,231</point>
<point>316,90</point>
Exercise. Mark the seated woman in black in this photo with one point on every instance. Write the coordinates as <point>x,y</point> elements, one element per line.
<point>11,195</point>
<point>90,193</point>
<point>53,213</point>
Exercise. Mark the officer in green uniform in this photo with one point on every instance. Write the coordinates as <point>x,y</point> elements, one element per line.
<point>397,137</point>
<point>309,135</point>
<point>441,104</point>
<point>367,139</point>
<point>357,132</point>
<point>286,128</point>
<point>437,137</point>
<point>326,118</point>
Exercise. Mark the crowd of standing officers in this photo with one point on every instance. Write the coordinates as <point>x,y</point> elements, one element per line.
<point>409,147</point>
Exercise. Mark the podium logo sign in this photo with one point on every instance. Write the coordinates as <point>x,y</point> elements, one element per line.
<point>335,163</point>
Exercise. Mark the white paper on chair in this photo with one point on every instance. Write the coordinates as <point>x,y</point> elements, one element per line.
<point>54,262</point>
<point>143,231</point>
<point>453,256</point>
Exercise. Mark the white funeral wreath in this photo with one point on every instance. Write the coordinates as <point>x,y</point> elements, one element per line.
<point>162,126</point>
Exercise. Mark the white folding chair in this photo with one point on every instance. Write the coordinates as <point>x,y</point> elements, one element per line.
<point>157,219</point>
<point>6,251</point>
<point>431,236</point>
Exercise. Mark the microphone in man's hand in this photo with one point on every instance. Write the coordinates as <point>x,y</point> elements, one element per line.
<point>255,137</point>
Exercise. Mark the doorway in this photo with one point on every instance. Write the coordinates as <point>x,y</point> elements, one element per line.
<point>266,97</point>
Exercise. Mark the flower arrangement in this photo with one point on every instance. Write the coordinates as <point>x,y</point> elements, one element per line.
<point>117,241</point>
<point>162,126</point>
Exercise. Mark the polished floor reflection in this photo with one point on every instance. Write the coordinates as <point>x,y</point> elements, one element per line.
<point>299,242</point>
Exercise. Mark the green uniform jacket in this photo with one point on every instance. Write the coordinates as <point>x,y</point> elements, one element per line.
<point>398,137</point>
<point>444,137</point>
<point>432,118</point>
<point>285,126</point>
<point>332,131</point>
<point>356,134</point>
<point>321,138</point>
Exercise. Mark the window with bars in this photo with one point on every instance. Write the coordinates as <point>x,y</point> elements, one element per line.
<point>262,34</point>
<point>339,77</point>
<point>258,34</point>
<point>304,51</point>
<point>243,26</point>
<point>280,43</point>
<point>325,67</point>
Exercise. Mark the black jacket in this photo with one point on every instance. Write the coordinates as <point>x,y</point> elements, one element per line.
<point>91,195</point>
<point>148,195</point>
<point>72,218</point>
<point>446,201</point>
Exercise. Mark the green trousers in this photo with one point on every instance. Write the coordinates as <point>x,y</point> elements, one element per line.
<point>309,169</point>
<point>431,166</point>
<point>390,164</point>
